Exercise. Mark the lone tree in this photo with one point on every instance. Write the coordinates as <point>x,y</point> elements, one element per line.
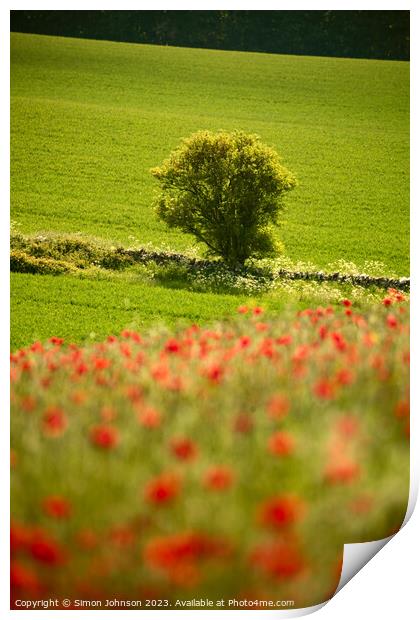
<point>227,189</point>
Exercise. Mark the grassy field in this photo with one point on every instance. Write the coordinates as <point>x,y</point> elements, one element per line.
<point>87,309</point>
<point>82,309</point>
<point>90,118</point>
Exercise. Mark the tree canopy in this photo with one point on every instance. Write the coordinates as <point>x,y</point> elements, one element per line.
<point>354,34</point>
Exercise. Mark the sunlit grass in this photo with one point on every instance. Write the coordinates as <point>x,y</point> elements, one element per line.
<point>90,118</point>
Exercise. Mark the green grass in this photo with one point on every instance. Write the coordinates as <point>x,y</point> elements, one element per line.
<point>90,118</point>
<point>80,310</point>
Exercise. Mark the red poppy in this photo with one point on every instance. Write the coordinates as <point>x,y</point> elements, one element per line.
<point>344,376</point>
<point>244,341</point>
<point>136,337</point>
<point>391,321</point>
<point>163,489</point>
<point>101,363</point>
<point>125,349</point>
<point>56,341</point>
<point>347,426</point>
<point>52,366</point>
<point>347,303</point>
<point>281,444</point>
<point>173,346</point>
<point>324,389</point>
<point>261,327</point>
<point>278,407</point>
<point>28,403</point>
<point>179,556</point>
<point>339,341</point>
<point>183,448</point>
<point>57,507</point>
<point>106,437</point>
<point>20,537</point>
<point>342,471</point>
<point>168,552</point>
<point>402,409</point>
<point>257,311</point>
<point>46,550</point>
<point>78,398</point>
<point>81,368</point>
<point>301,353</point>
<point>37,347</point>
<point>54,422</point>
<point>175,384</point>
<point>108,413</point>
<point>281,560</point>
<point>22,577</point>
<point>45,382</point>
<point>218,478</point>
<point>214,373</point>
<point>284,340</point>
<point>243,309</point>
<point>149,417</point>
<point>323,332</point>
<point>368,340</point>
<point>134,393</point>
<point>281,511</point>
<point>305,312</point>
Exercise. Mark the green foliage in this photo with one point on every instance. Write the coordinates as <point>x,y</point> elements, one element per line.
<point>360,34</point>
<point>226,189</point>
<point>77,251</point>
<point>21,262</point>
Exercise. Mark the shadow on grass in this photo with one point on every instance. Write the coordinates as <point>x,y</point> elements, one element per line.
<point>217,280</point>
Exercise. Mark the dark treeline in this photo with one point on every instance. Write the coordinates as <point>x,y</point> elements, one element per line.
<point>355,34</point>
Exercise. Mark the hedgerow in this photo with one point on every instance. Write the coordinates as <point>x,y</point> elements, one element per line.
<point>82,253</point>
<point>21,262</point>
<point>255,277</point>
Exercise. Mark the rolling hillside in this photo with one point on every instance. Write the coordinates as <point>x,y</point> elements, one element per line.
<point>90,118</point>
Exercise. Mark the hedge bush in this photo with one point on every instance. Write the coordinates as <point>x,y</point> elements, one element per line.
<point>22,262</point>
<point>227,190</point>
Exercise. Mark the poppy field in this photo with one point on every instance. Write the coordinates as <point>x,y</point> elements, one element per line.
<point>229,461</point>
